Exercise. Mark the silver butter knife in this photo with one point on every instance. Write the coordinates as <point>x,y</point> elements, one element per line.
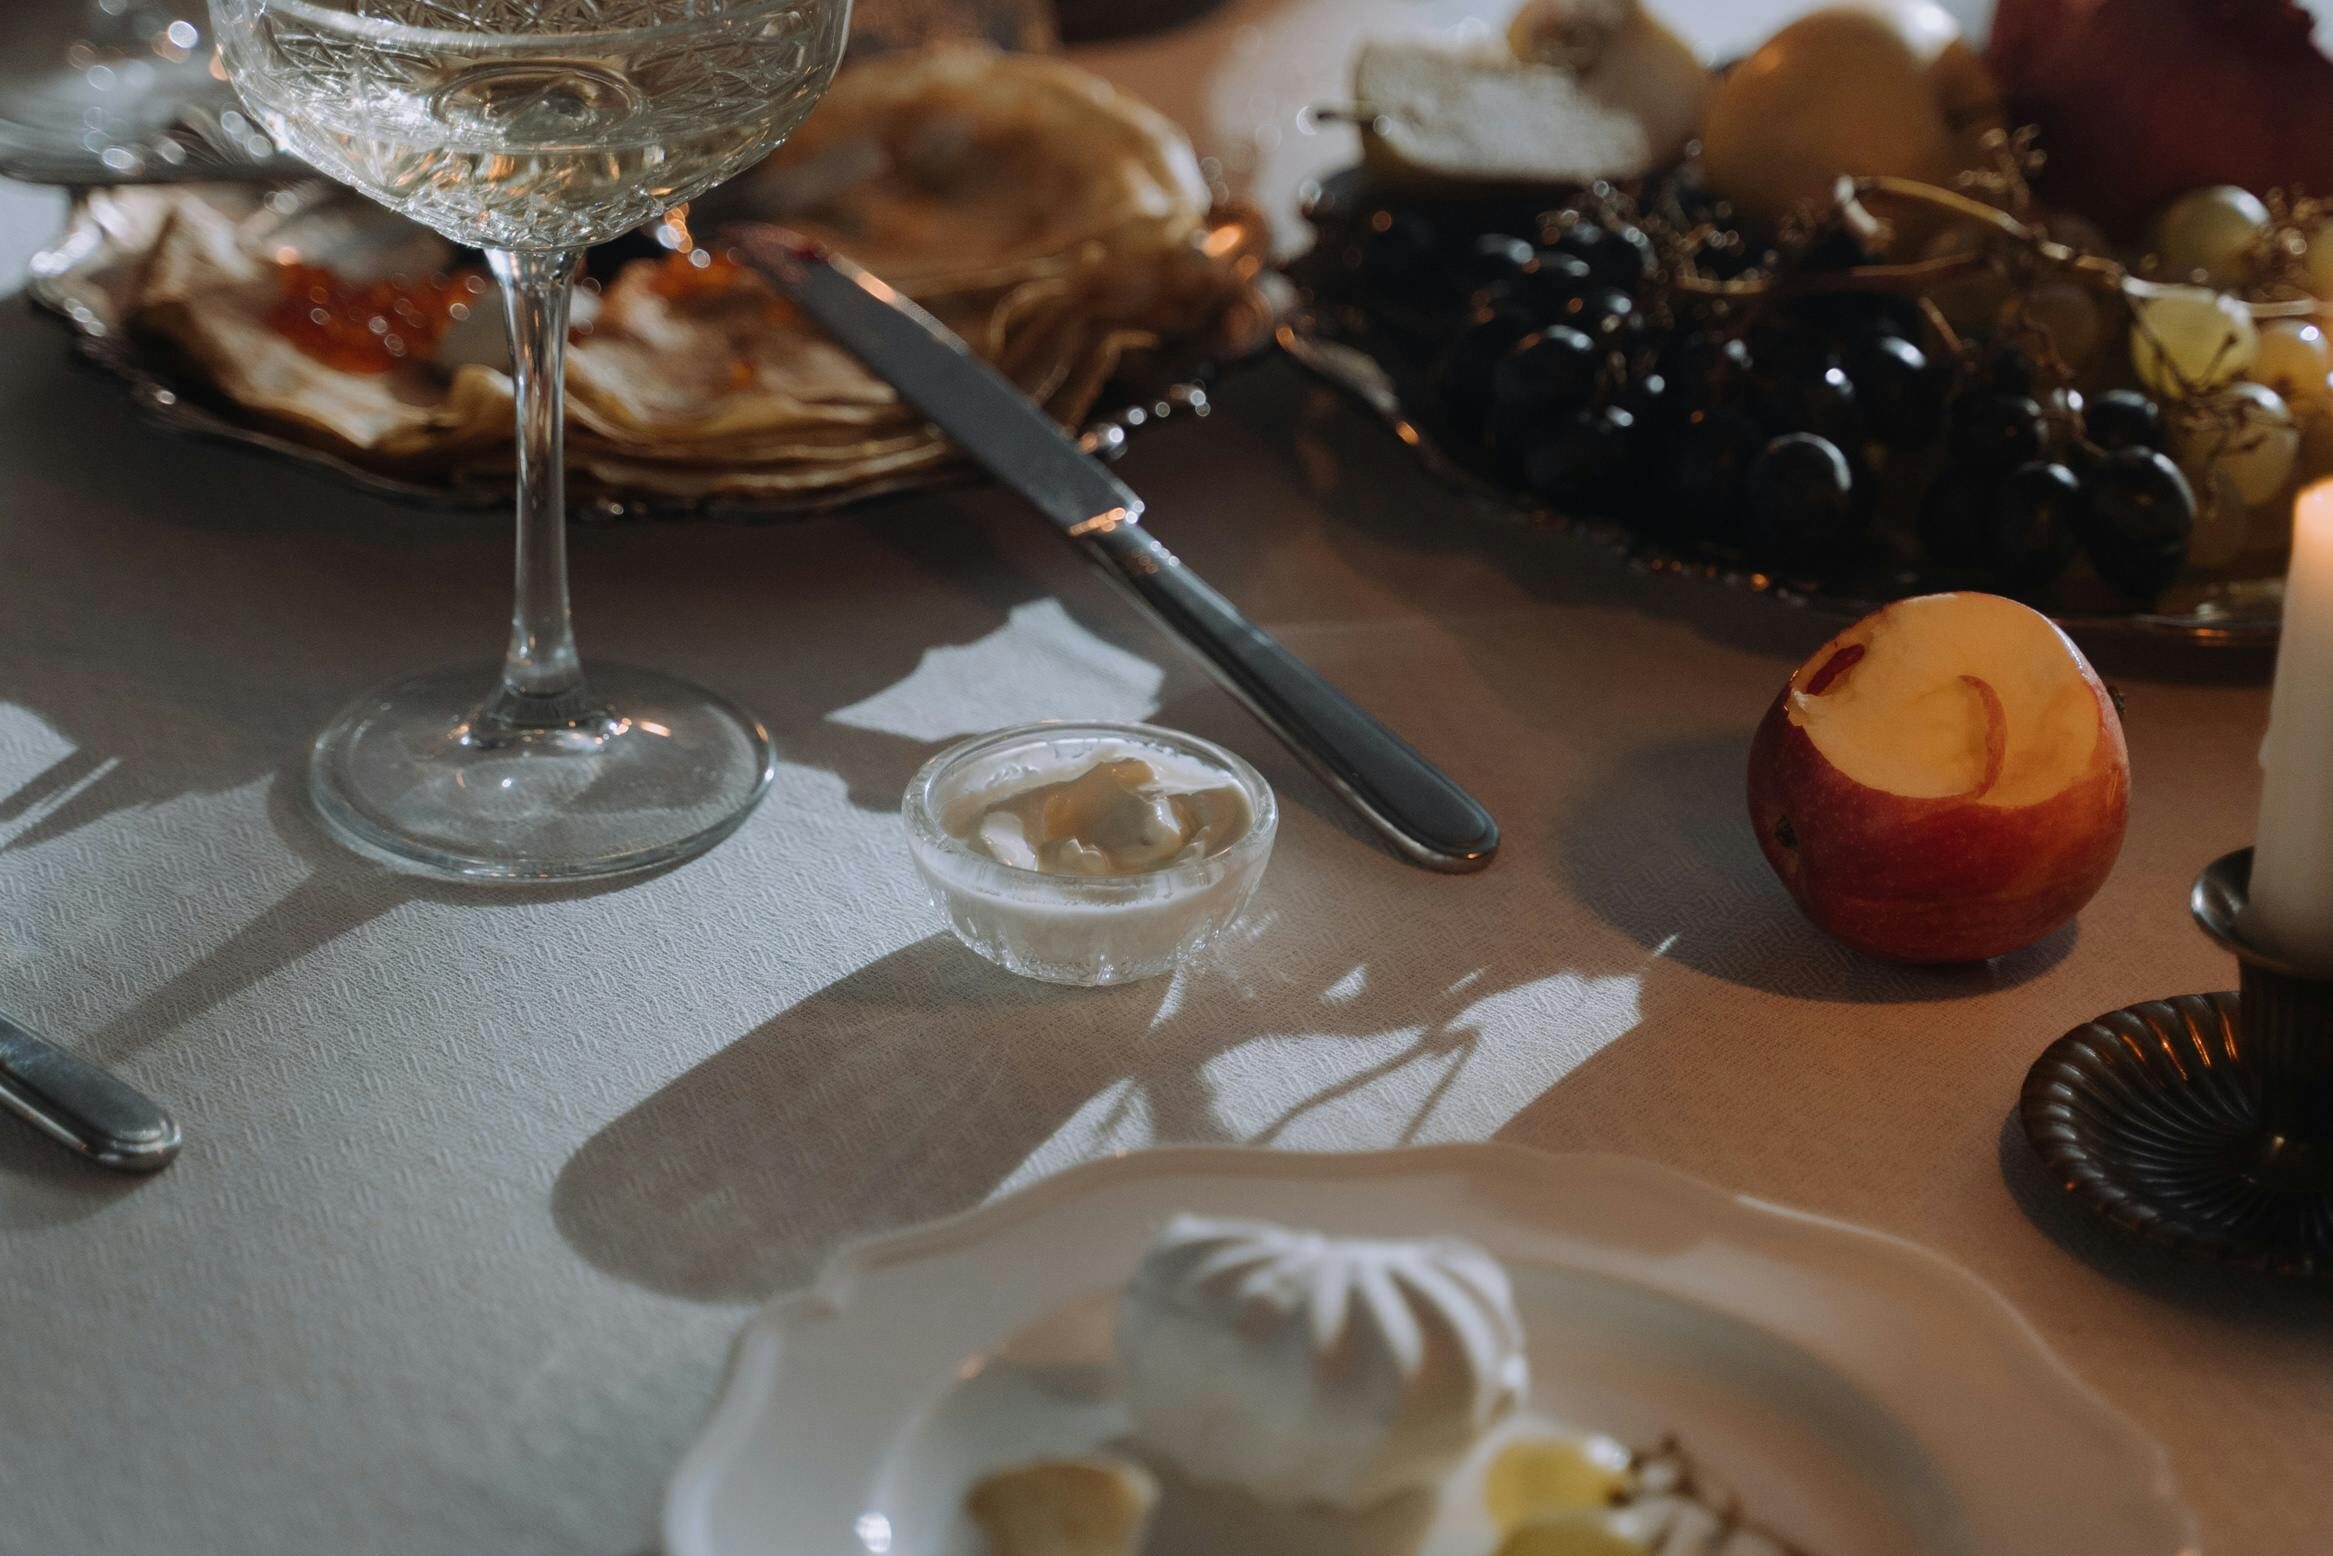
<point>82,1106</point>
<point>1427,817</point>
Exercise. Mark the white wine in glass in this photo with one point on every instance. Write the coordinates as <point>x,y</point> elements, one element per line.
<point>533,129</point>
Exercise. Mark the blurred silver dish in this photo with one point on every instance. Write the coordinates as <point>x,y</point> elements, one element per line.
<point>120,92</point>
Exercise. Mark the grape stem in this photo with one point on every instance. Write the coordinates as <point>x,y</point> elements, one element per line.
<point>1908,278</point>
<point>1855,195</point>
<point>1852,192</point>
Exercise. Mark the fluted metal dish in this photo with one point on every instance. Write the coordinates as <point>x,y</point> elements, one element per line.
<point>2175,1122</point>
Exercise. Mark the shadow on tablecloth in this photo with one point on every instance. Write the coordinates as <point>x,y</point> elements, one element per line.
<point>1658,843</point>
<point>902,1092</point>
<point>339,895</point>
<point>46,1185</point>
<point>918,1085</point>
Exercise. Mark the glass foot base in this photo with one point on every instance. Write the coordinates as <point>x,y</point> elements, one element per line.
<point>643,771</point>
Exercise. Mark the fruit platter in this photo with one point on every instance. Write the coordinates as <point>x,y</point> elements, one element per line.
<point>1835,320</point>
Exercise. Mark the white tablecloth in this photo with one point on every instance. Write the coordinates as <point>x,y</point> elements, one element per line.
<point>479,1183</point>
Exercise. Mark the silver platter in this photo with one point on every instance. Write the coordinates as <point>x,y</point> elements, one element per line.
<point>2217,613</point>
<point>84,277</point>
<point>119,91</point>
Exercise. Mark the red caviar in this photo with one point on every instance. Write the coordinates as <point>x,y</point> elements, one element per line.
<point>696,273</point>
<point>701,275</point>
<point>370,326</point>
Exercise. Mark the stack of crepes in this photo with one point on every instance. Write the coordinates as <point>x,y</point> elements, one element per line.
<point>1052,221</point>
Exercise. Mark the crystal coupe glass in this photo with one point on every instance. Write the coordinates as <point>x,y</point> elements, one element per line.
<point>533,129</point>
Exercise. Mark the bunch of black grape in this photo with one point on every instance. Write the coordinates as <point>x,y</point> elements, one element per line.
<point>1817,436</point>
<point>1760,442</point>
<point>2033,479</point>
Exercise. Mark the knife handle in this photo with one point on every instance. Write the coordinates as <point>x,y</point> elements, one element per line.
<point>82,1106</point>
<point>1429,818</point>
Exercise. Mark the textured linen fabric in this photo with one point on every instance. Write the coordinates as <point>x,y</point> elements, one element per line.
<point>479,1183</point>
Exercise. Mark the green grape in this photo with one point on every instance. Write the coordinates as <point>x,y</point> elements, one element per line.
<point>2210,235</point>
<point>2294,360</point>
<point>1541,1477</point>
<point>1599,1532</point>
<point>1970,299</point>
<point>2064,314</point>
<point>2075,232</point>
<point>2243,434</point>
<point>2189,340</point>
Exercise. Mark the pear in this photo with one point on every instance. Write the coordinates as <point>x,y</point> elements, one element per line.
<point>1606,90</point>
<point>1883,86</point>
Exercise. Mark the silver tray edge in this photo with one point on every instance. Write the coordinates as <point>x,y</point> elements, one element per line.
<point>1351,370</point>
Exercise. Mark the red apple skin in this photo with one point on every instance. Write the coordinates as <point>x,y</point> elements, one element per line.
<point>1934,880</point>
<point>2139,101</point>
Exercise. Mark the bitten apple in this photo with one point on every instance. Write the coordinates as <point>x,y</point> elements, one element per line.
<point>1944,781</point>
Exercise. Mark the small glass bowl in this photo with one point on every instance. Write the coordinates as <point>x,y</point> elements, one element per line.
<point>1081,929</point>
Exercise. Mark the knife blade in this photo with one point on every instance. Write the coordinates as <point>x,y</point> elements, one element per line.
<point>1417,807</point>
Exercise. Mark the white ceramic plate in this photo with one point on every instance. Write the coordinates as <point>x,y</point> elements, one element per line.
<point>1862,1394</point>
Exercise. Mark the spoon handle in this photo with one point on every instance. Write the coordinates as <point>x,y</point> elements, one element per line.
<point>83,1107</point>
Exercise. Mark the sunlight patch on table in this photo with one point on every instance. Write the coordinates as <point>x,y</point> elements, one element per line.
<point>28,743</point>
<point>1040,664</point>
<point>1460,1079</point>
<point>40,768</point>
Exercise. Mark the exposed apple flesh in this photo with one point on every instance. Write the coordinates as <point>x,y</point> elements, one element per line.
<point>1944,781</point>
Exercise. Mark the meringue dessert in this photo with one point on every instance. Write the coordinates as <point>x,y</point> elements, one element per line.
<point>1304,1368</point>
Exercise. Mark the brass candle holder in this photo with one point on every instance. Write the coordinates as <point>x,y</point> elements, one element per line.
<point>2203,1122</point>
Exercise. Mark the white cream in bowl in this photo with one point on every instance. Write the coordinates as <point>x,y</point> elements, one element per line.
<point>1089,853</point>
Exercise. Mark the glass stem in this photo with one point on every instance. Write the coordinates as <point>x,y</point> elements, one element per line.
<point>542,679</point>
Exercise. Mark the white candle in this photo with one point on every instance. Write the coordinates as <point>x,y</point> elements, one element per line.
<point>2292,857</point>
